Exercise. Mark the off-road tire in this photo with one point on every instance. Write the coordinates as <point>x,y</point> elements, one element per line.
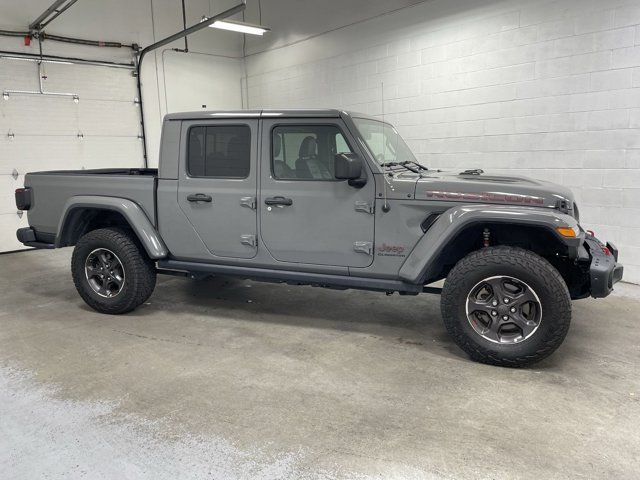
<point>140,273</point>
<point>530,268</point>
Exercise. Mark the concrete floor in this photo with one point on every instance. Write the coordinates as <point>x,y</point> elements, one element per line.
<point>233,379</point>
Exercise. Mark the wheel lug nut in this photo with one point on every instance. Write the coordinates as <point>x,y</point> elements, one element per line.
<point>505,318</point>
<point>513,309</point>
<point>494,303</point>
<point>494,313</point>
<point>506,300</point>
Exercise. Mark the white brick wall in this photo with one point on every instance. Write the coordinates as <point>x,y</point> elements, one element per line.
<point>548,89</point>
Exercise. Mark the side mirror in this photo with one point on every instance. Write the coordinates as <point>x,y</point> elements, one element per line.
<point>347,166</point>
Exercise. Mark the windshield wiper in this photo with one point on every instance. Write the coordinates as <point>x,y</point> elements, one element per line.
<point>399,164</point>
<point>416,164</point>
<point>406,164</point>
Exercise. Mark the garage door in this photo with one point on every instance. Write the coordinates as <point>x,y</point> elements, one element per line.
<point>38,132</point>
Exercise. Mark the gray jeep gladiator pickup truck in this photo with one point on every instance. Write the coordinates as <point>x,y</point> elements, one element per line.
<point>332,199</point>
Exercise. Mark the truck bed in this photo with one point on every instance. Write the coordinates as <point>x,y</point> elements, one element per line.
<point>51,190</point>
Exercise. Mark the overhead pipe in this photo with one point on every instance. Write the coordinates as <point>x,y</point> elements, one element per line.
<point>58,59</point>
<point>184,27</point>
<point>13,33</point>
<point>82,41</point>
<point>59,38</point>
<point>172,38</point>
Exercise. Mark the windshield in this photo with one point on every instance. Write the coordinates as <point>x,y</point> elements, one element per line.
<point>384,142</point>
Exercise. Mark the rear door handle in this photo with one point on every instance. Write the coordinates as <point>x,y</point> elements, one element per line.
<point>278,201</point>
<point>199,197</point>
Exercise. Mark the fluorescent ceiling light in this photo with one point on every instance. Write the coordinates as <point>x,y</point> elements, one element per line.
<point>239,27</point>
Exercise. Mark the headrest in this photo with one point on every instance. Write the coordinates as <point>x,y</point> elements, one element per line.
<point>308,147</point>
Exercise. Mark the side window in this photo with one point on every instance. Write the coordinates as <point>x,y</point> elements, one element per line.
<point>306,152</point>
<point>219,151</point>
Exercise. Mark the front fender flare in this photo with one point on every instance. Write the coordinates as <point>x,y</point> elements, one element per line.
<point>131,211</point>
<point>422,261</point>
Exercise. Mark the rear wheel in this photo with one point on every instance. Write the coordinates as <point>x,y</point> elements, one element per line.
<point>506,306</point>
<point>111,271</point>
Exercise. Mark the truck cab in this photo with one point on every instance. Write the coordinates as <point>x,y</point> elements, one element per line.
<point>261,191</point>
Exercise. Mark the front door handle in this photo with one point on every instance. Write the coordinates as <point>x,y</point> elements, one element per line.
<point>278,201</point>
<point>199,197</point>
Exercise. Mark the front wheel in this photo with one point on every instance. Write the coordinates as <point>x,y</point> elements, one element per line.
<point>506,306</point>
<point>111,271</point>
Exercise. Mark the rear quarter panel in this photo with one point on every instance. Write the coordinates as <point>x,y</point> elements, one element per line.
<point>50,191</point>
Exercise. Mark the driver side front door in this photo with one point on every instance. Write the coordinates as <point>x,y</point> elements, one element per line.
<point>306,215</point>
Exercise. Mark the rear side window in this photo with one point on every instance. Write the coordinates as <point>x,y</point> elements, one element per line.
<point>306,152</point>
<point>219,151</point>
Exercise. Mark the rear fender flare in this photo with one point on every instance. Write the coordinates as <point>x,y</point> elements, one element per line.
<point>422,261</point>
<point>132,213</point>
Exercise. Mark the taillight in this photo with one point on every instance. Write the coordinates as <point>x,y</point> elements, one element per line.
<point>23,198</point>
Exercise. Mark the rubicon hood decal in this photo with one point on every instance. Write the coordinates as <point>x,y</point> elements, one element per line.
<point>485,197</point>
<point>494,189</point>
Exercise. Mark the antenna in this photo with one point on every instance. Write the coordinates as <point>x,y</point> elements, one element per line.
<point>385,206</point>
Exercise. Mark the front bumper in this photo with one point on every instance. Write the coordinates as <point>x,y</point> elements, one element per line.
<point>604,269</point>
